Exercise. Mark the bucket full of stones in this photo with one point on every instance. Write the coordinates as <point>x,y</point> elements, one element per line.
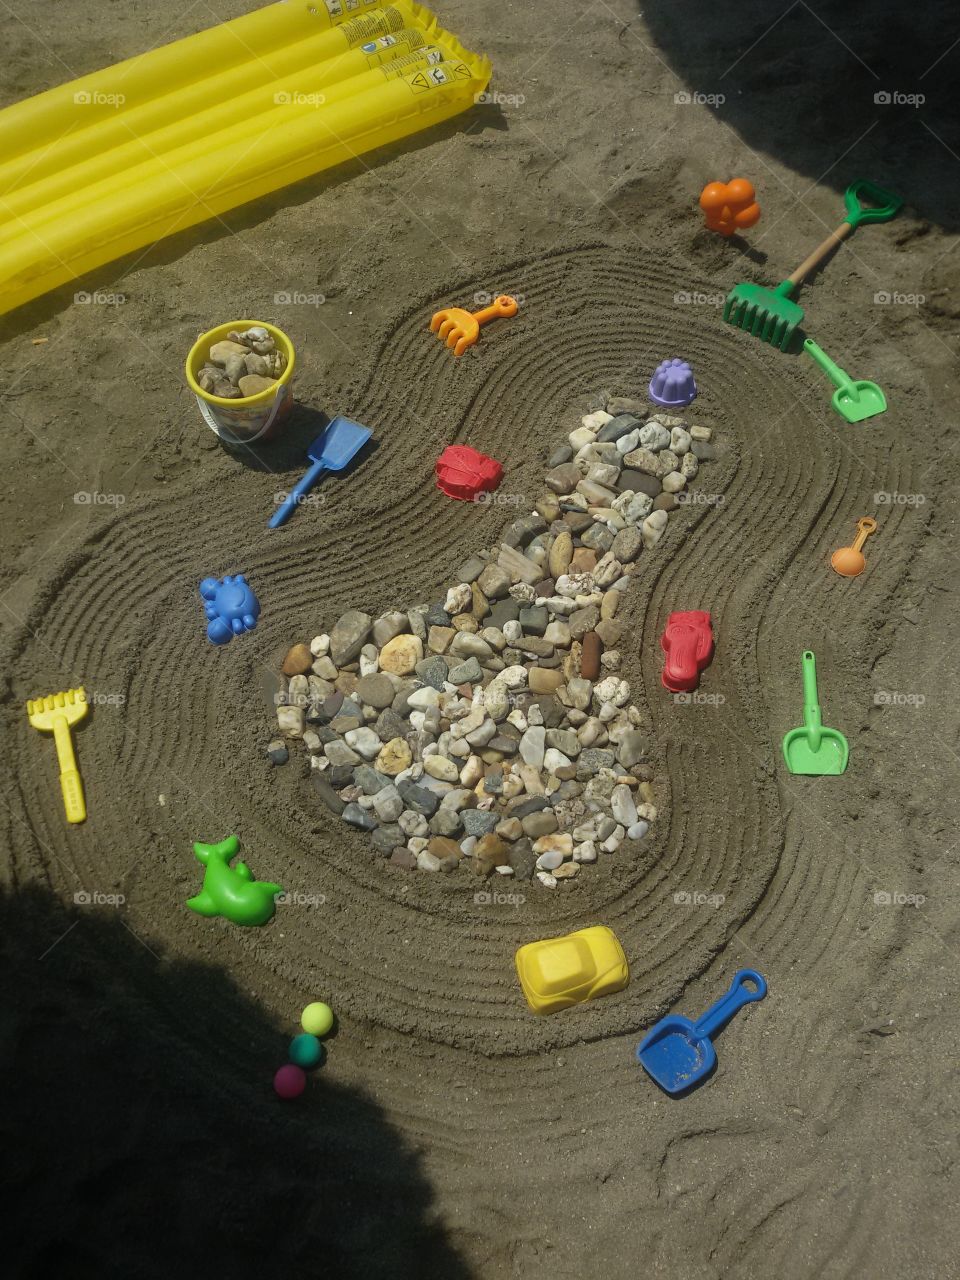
<point>240,373</point>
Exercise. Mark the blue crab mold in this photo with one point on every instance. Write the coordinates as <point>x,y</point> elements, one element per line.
<point>230,606</point>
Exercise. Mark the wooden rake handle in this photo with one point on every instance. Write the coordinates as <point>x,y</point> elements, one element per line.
<point>833,239</point>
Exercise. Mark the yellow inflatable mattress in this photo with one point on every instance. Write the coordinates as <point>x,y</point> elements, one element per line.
<point>117,160</point>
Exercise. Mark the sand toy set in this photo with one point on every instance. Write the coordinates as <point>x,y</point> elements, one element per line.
<point>488,731</point>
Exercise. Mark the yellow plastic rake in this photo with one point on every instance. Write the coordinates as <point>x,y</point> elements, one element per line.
<point>55,714</point>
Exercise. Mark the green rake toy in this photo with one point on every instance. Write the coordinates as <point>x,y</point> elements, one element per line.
<point>769,314</point>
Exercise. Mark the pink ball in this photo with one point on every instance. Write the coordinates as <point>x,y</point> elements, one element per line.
<point>289,1082</point>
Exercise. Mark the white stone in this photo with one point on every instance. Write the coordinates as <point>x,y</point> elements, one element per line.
<point>458,599</point>
<point>413,824</point>
<point>572,585</point>
<point>607,571</point>
<point>680,441</point>
<point>578,694</point>
<point>585,852</point>
<point>467,645</point>
<point>364,741</point>
<point>554,760</point>
<point>423,698</point>
<point>472,772</point>
<point>387,804</point>
<point>494,638</point>
<point>599,418</point>
<point>496,700</point>
<point>532,747</point>
<point>613,842</point>
<point>652,528</point>
<point>654,436</point>
<point>480,737</point>
<point>440,767</point>
<point>612,689</point>
<point>546,879</point>
<point>427,861</point>
<point>550,860</point>
<point>530,776</point>
<point>638,830</point>
<point>581,437</point>
<point>290,721</point>
<point>639,506</point>
<point>512,631</point>
<point>623,807</point>
<point>513,677</point>
<point>320,646</point>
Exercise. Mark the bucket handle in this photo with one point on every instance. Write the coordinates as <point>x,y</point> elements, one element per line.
<point>214,426</point>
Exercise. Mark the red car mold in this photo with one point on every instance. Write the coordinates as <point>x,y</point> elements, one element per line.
<point>688,643</point>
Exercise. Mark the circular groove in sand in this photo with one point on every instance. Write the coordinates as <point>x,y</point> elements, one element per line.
<point>196,722</point>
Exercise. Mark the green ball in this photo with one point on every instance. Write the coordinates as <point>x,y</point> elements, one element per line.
<point>306,1051</point>
<point>317,1018</point>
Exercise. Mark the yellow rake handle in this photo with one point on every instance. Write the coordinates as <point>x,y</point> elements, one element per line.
<point>70,783</point>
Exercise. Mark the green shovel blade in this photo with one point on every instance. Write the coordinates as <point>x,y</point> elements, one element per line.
<point>854,401</point>
<point>813,749</point>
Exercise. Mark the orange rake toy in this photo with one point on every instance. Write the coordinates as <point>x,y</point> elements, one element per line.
<point>460,329</point>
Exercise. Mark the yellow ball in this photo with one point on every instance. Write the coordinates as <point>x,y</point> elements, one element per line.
<point>317,1018</point>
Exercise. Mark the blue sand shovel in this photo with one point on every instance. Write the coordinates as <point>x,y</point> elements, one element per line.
<point>678,1053</point>
<point>338,444</point>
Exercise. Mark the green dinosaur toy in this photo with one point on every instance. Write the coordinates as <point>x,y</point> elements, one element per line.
<point>231,892</point>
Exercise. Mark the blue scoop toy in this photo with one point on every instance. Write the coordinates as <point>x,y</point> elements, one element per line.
<point>333,449</point>
<point>678,1053</point>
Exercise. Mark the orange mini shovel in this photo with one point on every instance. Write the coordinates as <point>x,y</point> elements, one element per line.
<point>849,562</point>
<point>460,329</point>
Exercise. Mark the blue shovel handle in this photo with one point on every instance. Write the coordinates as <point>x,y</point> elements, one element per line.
<point>303,486</point>
<point>720,1013</point>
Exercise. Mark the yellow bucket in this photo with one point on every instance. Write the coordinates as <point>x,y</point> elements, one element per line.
<point>260,417</point>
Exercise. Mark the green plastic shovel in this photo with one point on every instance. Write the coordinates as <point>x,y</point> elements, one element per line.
<point>813,749</point>
<point>852,400</point>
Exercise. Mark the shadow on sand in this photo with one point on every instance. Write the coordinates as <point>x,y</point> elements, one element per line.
<point>141,1135</point>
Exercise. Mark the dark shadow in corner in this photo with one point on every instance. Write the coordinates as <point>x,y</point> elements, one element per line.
<point>142,1138</point>
<point>827,88</point>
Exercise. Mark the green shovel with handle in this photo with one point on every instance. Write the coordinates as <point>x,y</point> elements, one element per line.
<point>812,748</point>
<point>854,401</point>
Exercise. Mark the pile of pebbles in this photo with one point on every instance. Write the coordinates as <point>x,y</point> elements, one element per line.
<point>492,729</point>
<point>243,365</point>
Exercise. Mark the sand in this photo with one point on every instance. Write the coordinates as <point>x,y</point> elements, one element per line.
<point>451,1133</point>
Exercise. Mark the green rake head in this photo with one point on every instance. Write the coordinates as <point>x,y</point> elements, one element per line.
<point>766,313</point>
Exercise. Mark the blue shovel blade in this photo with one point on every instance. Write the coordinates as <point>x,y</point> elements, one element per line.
<point>677,1053</point>
<point>340,442</point>
<point>674,1055</point>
